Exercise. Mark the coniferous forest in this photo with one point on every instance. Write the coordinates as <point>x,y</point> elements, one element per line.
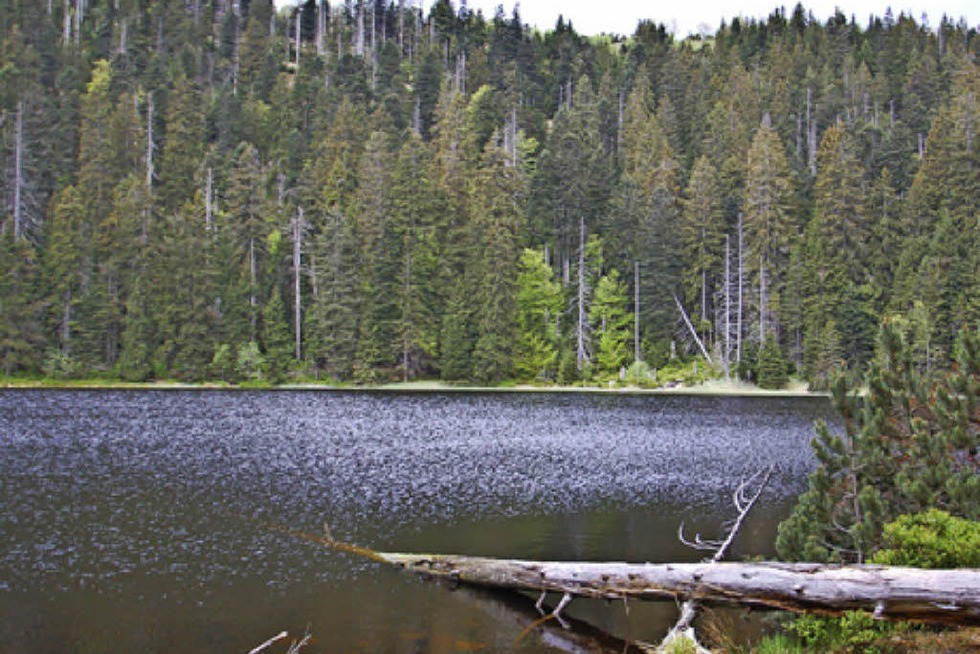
<point>213,190</point>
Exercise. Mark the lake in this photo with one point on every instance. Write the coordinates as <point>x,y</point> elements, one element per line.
<point>144,520</point>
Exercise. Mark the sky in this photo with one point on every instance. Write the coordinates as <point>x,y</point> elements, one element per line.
<point>591,17</point>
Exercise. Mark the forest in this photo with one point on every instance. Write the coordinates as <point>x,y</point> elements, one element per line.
<point>365,192</point>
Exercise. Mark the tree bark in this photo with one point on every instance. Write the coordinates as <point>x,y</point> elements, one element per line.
<point>931,596</point>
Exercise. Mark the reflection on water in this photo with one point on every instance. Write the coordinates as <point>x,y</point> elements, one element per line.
<point>132,520</point>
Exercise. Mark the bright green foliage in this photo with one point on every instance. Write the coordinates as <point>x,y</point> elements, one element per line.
<point>771,369</point>
<point>539,302</point>
<point>933,539</point>
<point>612,324</point>
<point>909,445</point>
<point>250,362</point>
<point>855,632</point>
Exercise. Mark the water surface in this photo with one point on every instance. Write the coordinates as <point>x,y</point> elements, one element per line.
<point>138,520</point>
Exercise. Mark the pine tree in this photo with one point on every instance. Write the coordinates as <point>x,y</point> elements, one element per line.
<point>574,177</point>
<point>539,303</point>
<point>644,215</point>
<point>184,284</point>
<point>183,149</point>
<point>243,235</point>
<point>456,338</point>
<point>907,446</point>
<point>416,227</point>
<point>329,190</point>
<point>612,323</point>
<point>771,367</point>
<point>20,330</point>
<point>839,204</point>
<point>276,341</point>
<point>702,236</point>
<point>380,257</point>
<point>495,212</point>
<point>769,227</point>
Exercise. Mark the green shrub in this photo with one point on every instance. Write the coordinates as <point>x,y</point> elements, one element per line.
<point>933,539</point>
<point>640,374</point>
<point>855,631</point>
<point>60,365</point>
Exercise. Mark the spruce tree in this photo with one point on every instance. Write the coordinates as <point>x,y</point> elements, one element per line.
<point>771,367</point>
<point>20,329</point>
<point>539,302</point>
<point>276,340</point>
<point>703,238</point>
<point>495,194</point>
<point>769,226</point>
<point>612,324</point>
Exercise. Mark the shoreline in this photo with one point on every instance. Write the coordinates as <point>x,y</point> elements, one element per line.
<point>714,388</point>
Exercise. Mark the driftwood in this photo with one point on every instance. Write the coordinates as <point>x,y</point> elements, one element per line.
<point>931,596</point>
<point>889,592</point>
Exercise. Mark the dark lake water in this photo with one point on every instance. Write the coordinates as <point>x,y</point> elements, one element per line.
<point>138,520</point>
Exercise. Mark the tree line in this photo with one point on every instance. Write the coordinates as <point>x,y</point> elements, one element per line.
<point>215,190</point>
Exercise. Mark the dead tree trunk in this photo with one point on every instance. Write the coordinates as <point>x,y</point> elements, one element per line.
<point>889,592</point>
<point>930,596</point>
<point>694,332</point>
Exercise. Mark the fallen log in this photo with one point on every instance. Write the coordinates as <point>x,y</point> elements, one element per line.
<point>950,597</point>
<point>896,593</point>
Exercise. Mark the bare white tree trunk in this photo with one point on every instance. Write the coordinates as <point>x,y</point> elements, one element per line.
<point>728,307</point>
<point>811,133</point>
<point>636,311</point>
<point>19,172</point>
<point>208,199</point>
<point>299,33</point>
<point>297,287</point>
<point>359,40</point>
<point>581,330</point>
<point>321,28</point>
<point>888,592</point>
<point>253,277</point>
<point>149,142</point>
<point>374,49</point>
<point>762,300</point>
<point>66,321</point>
<point>66,25</point>
<point>401,27</point>
<point>79,13</point>
<point>741,278</point>
<point>123,27</point>
<point>694,332</point>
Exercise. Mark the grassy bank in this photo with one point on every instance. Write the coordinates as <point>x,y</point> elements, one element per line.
<point>712,387</point>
